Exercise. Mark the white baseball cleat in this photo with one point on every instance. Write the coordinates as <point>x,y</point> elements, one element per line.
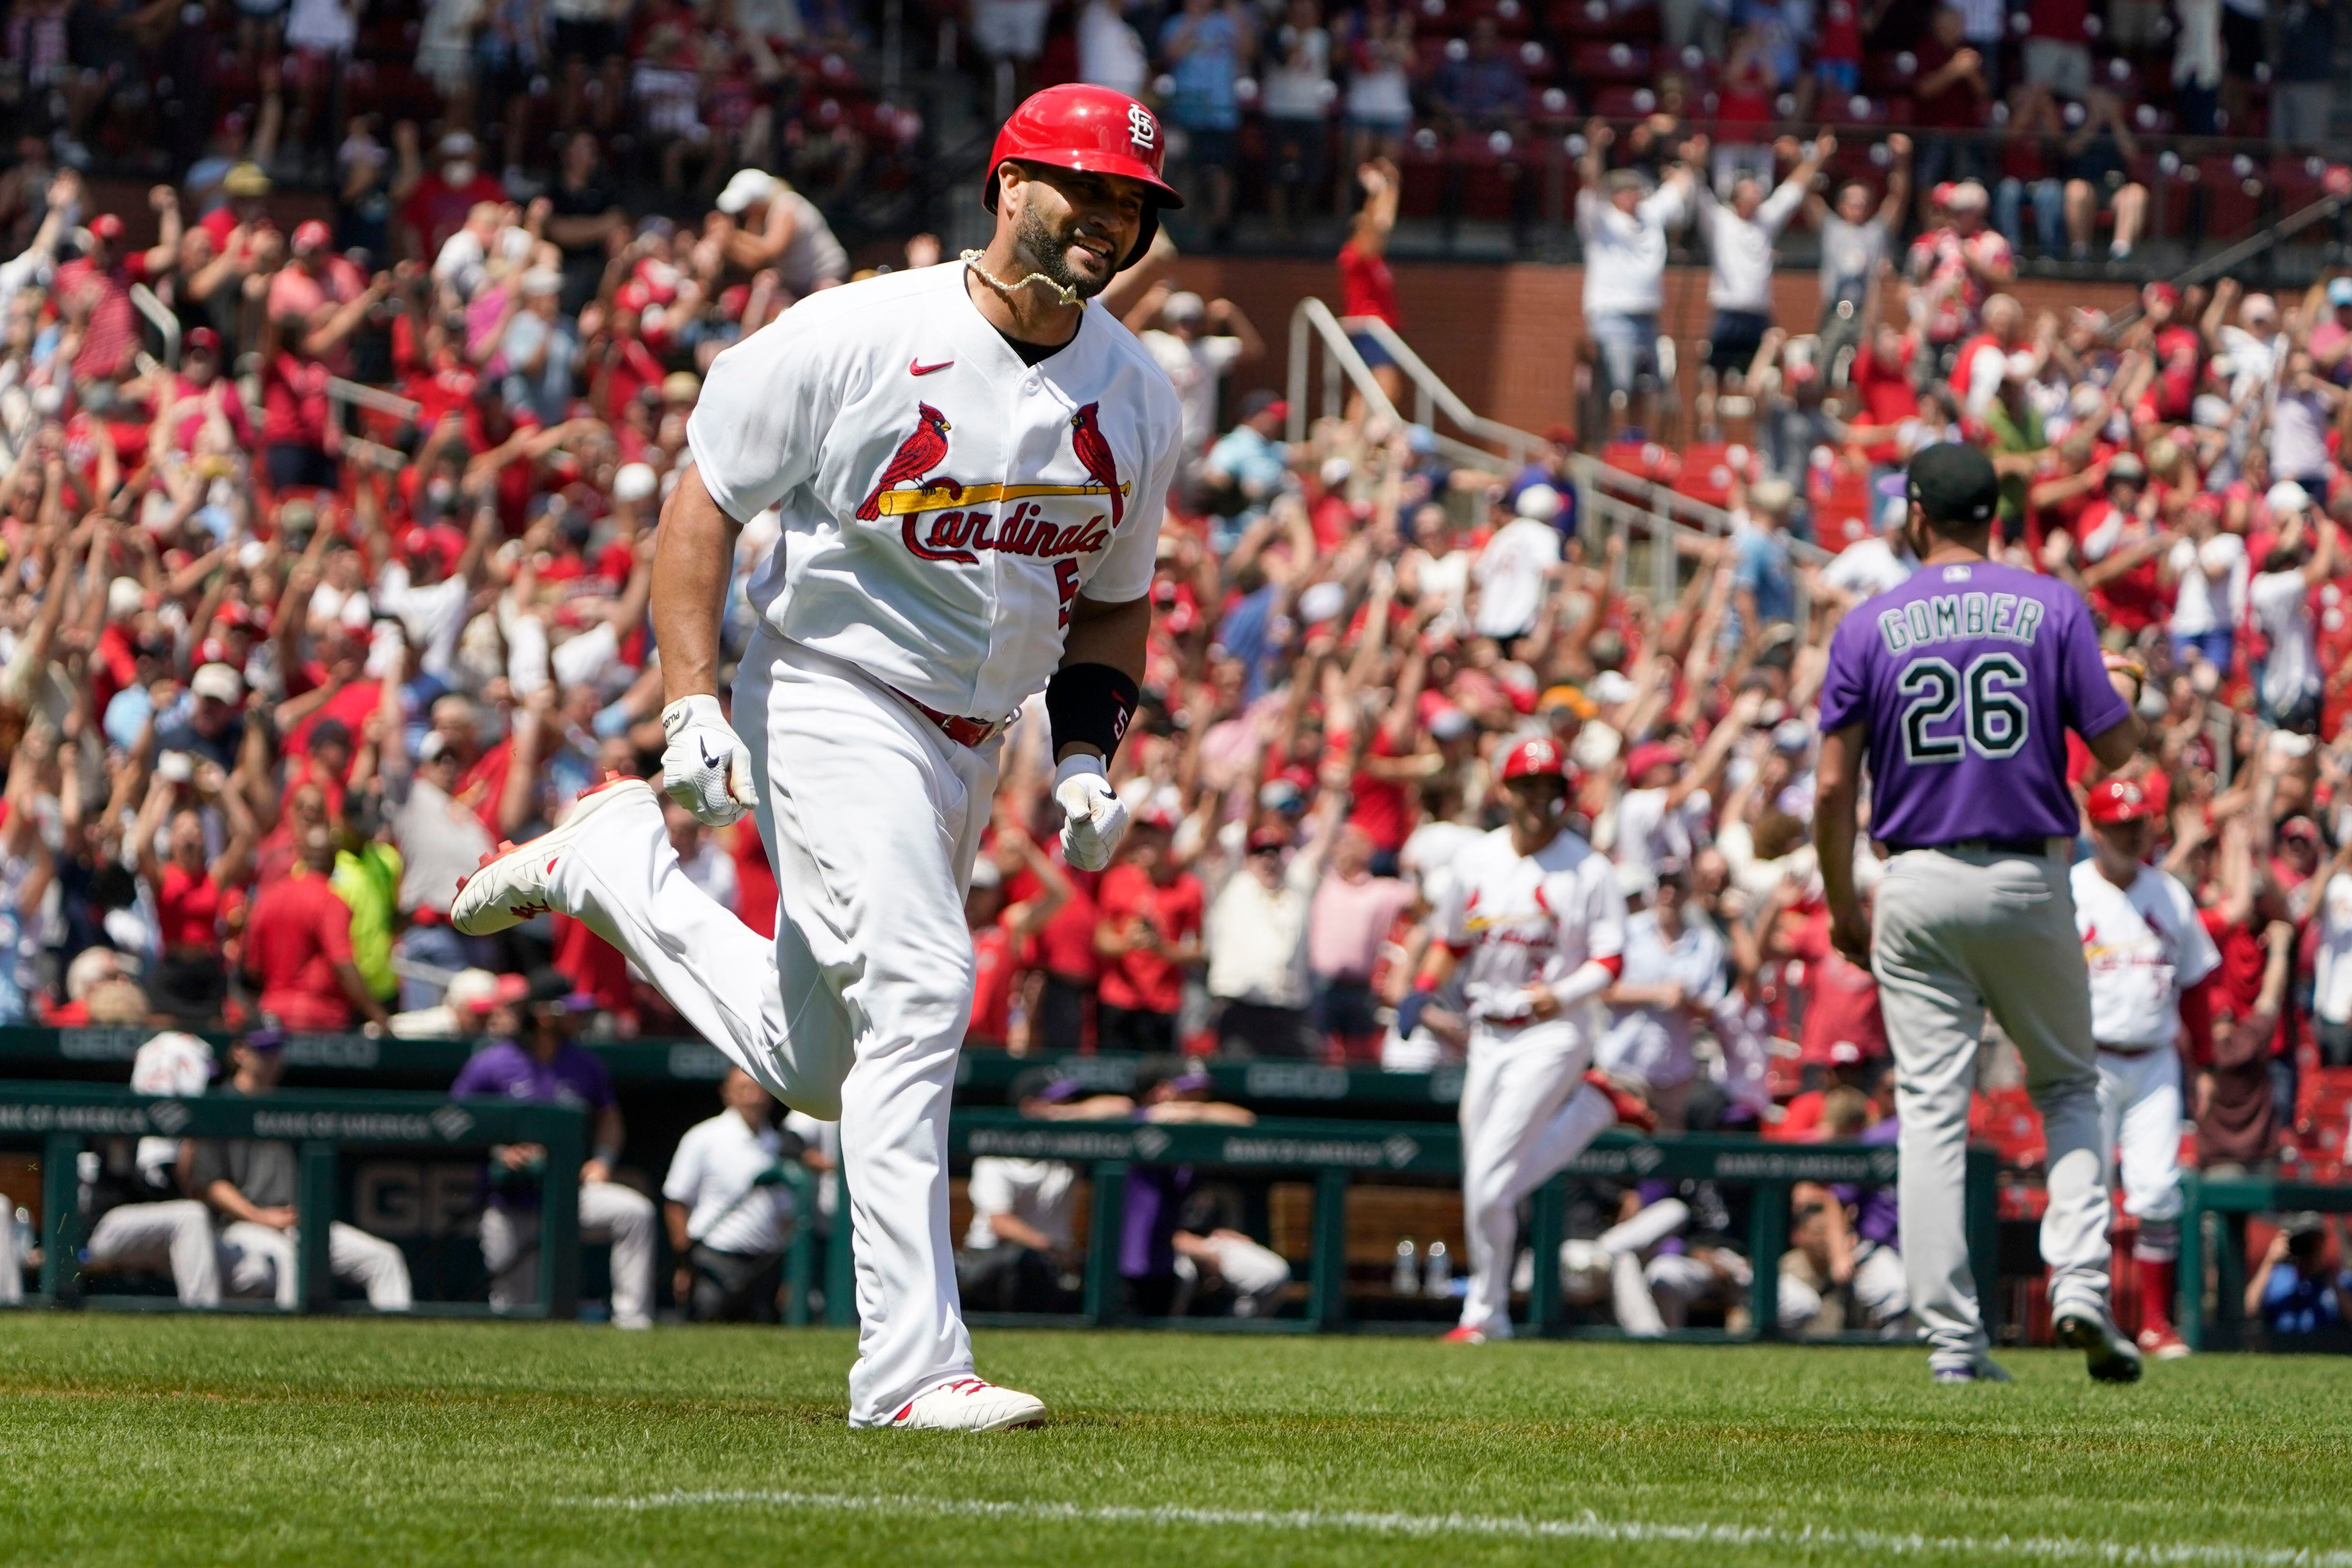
<point>969,1404</point>
<point>511,884</point>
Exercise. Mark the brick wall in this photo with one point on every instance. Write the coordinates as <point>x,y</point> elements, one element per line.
<point>1505,337</point>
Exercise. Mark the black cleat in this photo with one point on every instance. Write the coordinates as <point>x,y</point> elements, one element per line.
<point>2110,1357</point>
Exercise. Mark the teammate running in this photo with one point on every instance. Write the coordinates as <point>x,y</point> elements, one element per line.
<point>1958,688</point>
<point>970,468</point>
<point>2148,955</point>
<point>1533,916</point>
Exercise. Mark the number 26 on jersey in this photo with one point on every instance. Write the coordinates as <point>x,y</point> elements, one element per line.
<point>1950,712</point>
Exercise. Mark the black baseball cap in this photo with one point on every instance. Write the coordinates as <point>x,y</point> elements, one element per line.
<point>1954,483</point>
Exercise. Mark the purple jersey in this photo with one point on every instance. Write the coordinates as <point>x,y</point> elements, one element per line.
<point>506,1070</point>
<point>1965,680</point>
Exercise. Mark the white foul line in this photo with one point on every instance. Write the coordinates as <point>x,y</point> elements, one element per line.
<point>1584,1527</point>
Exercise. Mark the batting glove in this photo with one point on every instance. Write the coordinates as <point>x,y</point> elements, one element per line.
<point>1096,817</point>
<point>705,767</point>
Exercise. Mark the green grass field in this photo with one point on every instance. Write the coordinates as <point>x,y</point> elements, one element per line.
<point>139,1439</point>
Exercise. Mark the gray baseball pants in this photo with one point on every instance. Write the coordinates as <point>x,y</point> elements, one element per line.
<point>1960,931</point>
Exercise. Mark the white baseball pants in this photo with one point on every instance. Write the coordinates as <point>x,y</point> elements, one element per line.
<point>1958,935</point>
<point>177,1235</point>
<point>259,1261</point>
<point>855,1012</point>
<point>609,1212</point>
<point>1526,1112</point>
<point>11,1266</point>
<point>2139,1126</point>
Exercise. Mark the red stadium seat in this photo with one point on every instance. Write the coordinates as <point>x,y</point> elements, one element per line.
<point>1842,500</point>
<point>1708,468</point>
<point>1611,61</point>
<point>1624,102</point>
<point>1423,171</point>
<point>1642,459</point>
<point>1583,19</point>
<point>2233,196</point>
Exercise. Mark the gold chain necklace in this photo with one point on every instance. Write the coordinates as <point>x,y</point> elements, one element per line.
<point>1067,296</point>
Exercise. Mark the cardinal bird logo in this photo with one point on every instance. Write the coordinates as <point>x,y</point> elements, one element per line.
<point>917,456</point>
<point>1093,455</point>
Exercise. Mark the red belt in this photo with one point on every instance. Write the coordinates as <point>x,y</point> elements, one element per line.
<point>422,916</point>
<point>963,731</point>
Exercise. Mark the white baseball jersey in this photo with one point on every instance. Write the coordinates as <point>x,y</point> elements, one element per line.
<point>942,503</point>
<point>1519,920</point>
<point>2145,946</point>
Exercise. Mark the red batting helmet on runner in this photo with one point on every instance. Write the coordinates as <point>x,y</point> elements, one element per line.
<point>1534,758</point>
<point>1096,129</point>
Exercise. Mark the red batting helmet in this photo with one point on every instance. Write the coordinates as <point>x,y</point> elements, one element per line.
<point>2120,800</point>
<point>1096,129</point>
<point>1540,757</point>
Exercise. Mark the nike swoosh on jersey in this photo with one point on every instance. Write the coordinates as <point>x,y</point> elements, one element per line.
<point>917,367</point>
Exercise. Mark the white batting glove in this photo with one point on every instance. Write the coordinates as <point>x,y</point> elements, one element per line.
<point>1096,817</point>
<point>705,767</point>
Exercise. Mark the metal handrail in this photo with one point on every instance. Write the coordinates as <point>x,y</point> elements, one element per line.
<point>1312,319</point>
<point>1619,500</point>
<point>1519,446</point>
<point>167,325</point>
<point>2223,261</point>
<point>372,398</point>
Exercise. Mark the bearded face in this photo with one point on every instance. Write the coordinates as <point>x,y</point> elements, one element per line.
<point>1044,246</point>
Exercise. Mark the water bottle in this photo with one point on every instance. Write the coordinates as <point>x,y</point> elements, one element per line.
<point>1438,1281</point>
<point>1406,1279</point>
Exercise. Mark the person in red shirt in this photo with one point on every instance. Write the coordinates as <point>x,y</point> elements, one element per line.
<point>1841,998</point>
<point>437,206</point>
<point>1949,91</point>
<point>298,947</point>
<point>1146,930</point>
<point>1001,929</point>
<point>1881,380</point>
<point>97,286</point>
<point>1063,952</point>
<point>2122,543</point>
<point>299,440</point>
<point>191,895</point>
<point>1366,286</point>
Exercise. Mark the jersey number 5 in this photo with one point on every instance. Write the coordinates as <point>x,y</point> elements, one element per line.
<point>1993,720</point>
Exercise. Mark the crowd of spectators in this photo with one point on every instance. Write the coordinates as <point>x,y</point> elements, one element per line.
<point>1271,103</point>
<point>278,671</point>
<point>281,658</point>
<point>2054,99</point>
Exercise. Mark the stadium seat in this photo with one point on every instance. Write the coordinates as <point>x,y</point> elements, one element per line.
<point>1599,62</point>
<point>1622,102</point>
<point>1642,459</point>
<point>1843,504</point>
<point>1707,467</point>
<point>2232,185</point>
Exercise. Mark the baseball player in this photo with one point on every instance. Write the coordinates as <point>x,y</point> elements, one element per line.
<point>1533,919</point>
<point>1957,690</point>
<point>2148,954</point>
<point>970,467</point>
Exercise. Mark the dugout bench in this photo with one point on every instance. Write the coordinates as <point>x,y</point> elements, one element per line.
<point>1333,1154</point>
<point>62,1118</point>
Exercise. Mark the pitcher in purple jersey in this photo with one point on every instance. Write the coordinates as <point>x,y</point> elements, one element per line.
<point>1956,690</point>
